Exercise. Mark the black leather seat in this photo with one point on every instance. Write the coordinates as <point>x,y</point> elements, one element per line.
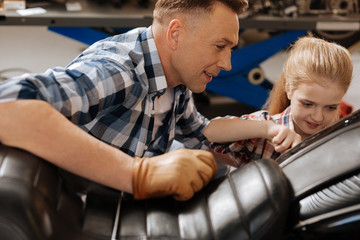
<point>324,172</point>
<point>37,201</point>
<point>311,192</point>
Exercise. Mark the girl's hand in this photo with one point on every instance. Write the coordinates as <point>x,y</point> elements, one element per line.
<point>283,137</point>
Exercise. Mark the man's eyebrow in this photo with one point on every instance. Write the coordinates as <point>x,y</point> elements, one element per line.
<point>229,42</point>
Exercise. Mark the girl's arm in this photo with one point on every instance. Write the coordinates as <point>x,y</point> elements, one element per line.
<point>222,130</point>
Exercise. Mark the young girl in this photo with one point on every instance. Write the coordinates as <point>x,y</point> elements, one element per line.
<point>304,101</point>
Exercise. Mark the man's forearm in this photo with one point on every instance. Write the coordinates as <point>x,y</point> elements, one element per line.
<point>35,126</point>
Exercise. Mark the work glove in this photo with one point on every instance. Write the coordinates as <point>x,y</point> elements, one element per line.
<point>179,174</point>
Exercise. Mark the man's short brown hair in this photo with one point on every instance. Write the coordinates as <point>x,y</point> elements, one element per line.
<point>165,8</point>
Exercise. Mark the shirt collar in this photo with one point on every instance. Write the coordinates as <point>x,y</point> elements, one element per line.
<point>153,67</point>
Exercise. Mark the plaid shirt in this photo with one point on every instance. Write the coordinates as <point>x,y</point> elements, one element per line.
<point>241,152</point>
<point>109,91</point>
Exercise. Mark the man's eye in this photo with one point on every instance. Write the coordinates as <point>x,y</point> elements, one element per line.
<point>220,46</point>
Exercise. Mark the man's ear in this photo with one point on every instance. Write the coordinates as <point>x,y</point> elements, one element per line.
<point>173,33</point>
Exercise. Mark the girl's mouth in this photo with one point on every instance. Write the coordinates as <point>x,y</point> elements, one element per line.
<point>312,125</point>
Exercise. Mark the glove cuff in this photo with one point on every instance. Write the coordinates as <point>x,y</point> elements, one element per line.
<point>137,177</point>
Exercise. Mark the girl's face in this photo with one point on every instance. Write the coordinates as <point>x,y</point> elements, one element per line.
<point>314,107</point>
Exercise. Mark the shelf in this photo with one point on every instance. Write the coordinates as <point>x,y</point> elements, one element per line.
<point>92,15</point>
<point>131,15</point>
<point>329,23</point>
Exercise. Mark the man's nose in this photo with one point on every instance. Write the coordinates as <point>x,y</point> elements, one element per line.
<point>225,61</point>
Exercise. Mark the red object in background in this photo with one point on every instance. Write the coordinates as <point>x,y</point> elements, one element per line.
<point>345,109</point>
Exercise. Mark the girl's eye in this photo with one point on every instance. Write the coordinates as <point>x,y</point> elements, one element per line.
<point>331,108</point>
<point>306,104</point>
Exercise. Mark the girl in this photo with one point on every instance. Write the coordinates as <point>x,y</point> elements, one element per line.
<point>304,101</point>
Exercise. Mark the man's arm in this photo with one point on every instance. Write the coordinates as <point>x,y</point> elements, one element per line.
<point>37,127</point>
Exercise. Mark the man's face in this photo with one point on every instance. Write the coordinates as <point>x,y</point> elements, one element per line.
<point>205,49</point>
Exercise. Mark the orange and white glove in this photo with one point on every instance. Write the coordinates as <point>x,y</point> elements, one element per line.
<point>179,174</point>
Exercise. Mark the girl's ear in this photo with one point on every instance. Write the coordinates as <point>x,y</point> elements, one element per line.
<point>173,33</point>
<point>288,91</point>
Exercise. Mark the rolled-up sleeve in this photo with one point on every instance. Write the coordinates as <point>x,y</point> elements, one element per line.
<point>190,124</point>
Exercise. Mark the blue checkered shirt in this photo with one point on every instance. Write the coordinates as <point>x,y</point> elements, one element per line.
<point>109,92</point>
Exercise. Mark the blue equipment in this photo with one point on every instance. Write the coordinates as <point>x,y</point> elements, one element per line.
<point>245,66</point>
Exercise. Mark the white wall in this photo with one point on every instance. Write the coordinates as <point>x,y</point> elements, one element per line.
<point>34,49</point>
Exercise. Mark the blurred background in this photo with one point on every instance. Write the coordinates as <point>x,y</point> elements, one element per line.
<point>36,35</point>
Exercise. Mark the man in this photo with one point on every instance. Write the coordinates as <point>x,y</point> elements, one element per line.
<point>112,114</point>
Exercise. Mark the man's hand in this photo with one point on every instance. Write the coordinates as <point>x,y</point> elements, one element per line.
<point>283,137</point>
<point>180,174</point>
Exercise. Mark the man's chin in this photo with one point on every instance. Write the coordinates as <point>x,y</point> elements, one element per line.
<point>198,89</point>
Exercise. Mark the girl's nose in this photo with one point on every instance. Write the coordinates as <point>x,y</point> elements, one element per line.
<point>317,115</point>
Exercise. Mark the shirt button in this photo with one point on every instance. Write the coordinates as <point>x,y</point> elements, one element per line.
<point>152,112</point>
<point>145,147</point>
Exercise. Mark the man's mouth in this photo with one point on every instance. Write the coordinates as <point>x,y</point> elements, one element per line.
<point>208,75</point>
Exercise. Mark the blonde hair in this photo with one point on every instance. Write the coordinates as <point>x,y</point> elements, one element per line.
<point>311,59</point>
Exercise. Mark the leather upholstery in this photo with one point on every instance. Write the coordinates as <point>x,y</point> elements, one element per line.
<point>340,195</point>
<point>323,158</point>
<point>311,192</point>
<point>38,201</point>
<point>324,172</point>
